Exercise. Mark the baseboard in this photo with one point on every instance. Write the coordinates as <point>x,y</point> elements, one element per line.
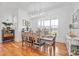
<point>60,41</point>
<point>16,40</point>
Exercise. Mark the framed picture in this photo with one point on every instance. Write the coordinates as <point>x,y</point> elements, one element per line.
<point>76,16</point>
<point>76,19</point>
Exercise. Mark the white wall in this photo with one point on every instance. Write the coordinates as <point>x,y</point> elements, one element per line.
<point>22,14</point>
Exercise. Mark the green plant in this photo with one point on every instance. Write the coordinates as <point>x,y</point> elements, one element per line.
<point>27,24</point>
<point>75,51</point>
<point>7,24</point>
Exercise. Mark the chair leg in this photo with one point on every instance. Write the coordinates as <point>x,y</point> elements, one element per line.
<point>29,44</point>
<point>54,49</point>
<point>44,48</point>
<point>26,43</point>
<point>40,48</point>
<point>22,44</point>
<point>50,50</point>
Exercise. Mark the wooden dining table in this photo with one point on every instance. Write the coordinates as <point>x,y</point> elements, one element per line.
<point>47,39</point>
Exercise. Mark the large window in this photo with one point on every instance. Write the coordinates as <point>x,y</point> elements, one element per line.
<point>48,23</point>
<point>40,23</point>
<point>54,23</point>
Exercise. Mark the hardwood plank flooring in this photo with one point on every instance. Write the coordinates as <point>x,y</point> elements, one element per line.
<point>16,49</point>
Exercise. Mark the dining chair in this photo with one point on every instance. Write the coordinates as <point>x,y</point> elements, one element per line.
<point>23,38</point>
<point>37,43</point>
<point>50,44</point>
<point>54,41</point>
<point>53,45</point>
<point>30,39</point>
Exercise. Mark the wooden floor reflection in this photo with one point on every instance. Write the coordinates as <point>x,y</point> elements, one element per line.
<point>15,49</point>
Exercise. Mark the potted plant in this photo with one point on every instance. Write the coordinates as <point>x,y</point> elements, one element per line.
<point>7,24</point>
<point>70,27</point>
<point>27,24</point>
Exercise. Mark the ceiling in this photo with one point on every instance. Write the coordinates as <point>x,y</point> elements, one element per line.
<point>31,7</point>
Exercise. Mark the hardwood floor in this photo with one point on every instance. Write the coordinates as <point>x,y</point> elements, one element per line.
<point>15,49</point>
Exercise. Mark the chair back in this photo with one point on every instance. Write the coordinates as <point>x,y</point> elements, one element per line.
<point>23,36</point>
<point>54,38</point>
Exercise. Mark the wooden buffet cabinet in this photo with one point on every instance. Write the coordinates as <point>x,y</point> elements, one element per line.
<point>7,35</point>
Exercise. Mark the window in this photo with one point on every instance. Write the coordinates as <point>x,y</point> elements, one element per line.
<point>48,23</point>
<point>40,22</point>
<point>54,23</point>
